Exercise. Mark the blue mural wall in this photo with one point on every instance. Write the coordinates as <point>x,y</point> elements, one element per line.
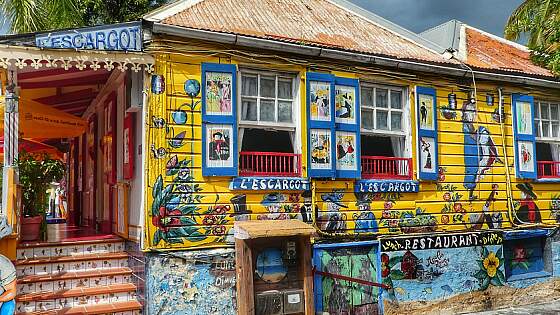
<point>446,279</point>
<point>193,283</point>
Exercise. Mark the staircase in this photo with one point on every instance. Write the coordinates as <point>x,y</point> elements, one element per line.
<point>82,277</point>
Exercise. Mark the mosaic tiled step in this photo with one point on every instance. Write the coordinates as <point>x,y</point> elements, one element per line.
<point>60,264</point>
<point>45,250</point>
<point>72,280</point>
<point>55,300</point>
<point>117,308</point>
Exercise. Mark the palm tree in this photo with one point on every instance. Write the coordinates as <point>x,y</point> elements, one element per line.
<point>540,21</point>
<point>26,16</point>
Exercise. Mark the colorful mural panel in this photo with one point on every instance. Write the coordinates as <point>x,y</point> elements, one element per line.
<point>320,100</point>
<point>218,93</point>
<point>320,149</point>
<point>345,104</point>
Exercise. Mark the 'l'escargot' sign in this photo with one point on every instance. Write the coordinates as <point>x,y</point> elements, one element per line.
<point>381,186</point>
<point>441,241</point>
<point>268,183</point>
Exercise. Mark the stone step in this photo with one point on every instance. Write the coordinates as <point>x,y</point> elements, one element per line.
<point>59,264</point>
<point>71,280</point>
<point>45,250</point>
<point>77,297</point>
<point>117,308</point>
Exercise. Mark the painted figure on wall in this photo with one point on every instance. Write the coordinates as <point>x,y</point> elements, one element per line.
<point>480,151</point>
<point>426,154</point>
<point>320,93</point>
<point>526,162</point>
<point>320,149</point>
<point>273,203</point>
<point>528,211</point>
<point>345,103</point>
<point>333,221</point>
<point>345,151</point>
<point>7,275</point>
<point>365,221</point>
<point>493,220</point>
<point>426,112</point>
<point>218,93</point>
<point>307,207</point>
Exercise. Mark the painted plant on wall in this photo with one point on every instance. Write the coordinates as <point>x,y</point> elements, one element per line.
<point>490,265</point>
<point>453,209</point>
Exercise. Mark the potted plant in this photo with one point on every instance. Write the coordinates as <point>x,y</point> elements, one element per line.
<point>36,173</point>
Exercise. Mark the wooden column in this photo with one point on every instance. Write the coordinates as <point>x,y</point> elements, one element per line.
<point>244,271</point>
<point>306,271</point>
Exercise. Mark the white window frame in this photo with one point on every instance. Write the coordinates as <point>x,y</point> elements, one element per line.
<point>294,127</point>
<point>538,119</point>
<point>406,132</point>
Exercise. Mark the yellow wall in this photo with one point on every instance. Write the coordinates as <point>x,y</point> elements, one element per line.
<point>205,210</point>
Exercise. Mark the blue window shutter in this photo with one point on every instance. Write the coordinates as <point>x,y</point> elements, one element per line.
<point>321,160</point>
<point>219,120</point>
<point>348,128</point>
<point>426,122</point>
<point>525,150</point>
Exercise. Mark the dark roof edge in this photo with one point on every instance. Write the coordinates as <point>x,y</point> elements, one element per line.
<point>267,44</point>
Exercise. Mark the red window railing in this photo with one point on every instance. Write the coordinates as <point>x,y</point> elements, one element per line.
<point>383,167</point>
<point>548,169</point>
<point>269,164</point>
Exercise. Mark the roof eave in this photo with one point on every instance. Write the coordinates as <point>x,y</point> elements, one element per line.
<point>307,50</point>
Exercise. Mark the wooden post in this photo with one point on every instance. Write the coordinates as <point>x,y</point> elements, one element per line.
<point>306,270</point>
<point>244,271</point>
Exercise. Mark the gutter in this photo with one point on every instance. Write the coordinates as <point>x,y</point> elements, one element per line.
<point>306,50</point>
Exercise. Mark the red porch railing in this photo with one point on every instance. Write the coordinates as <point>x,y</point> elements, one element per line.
<point>383,167</point>
<point>269,164</point>
<point>548,169</point>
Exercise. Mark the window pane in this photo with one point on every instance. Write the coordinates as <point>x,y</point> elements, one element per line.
<point>381,120</point>
<point>267,110</point>
<point>249,109</point>
<point>367,96</point>
<point>555,131</point>
<point>545,129</point>
<point>367,118</point>
<point>554,112</point>
<point>284,111</point>
<point>396,121</point>
<point>537,129</point>
<point>381,98</point>
<point>268,86</point>
<point>544,111</point>
<point>537,111</point>
<point>285,88</point>
<point>396,99</point>
<point>248,85</point>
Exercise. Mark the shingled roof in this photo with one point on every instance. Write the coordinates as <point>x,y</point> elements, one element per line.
<point>484,51</point>
<point>335,24</point>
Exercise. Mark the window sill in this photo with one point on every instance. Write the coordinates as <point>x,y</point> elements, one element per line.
<point>548,180</point>
<point>530,275</point>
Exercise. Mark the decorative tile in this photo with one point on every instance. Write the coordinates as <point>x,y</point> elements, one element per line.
<point>98,281</point>
<point>46,286</point>
<point>80,300</point>
<point>59,267</point>
<point>60,251</point>
<point>26,288</point>
<point>94,265</point>
<point>119,247</point>
<point>25,270</point>
<point>76,250</point>
<point>42,252</point>
<point>25,253</point>
<point>42,269</point>
<point>77,266</point>
<point>44,305</point>
<point>63,302</point>
<point>63,285</point>
<point>27,306</point>
<point>80,283</point>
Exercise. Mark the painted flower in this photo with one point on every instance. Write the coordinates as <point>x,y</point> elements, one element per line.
<point>386,214</point>
<point>519,254</point>
<point>184,189</point>
<point>162,221</point>
<point>441,177</point>
<point>491,263</point>
<point>385,271</point>
<point>444,219</point>
<point>393,223</point>
<point>219,230</point>
<point>222,209</point>
<point>388,205</point>
<point>495,186</point>
<point>209,220</point>
<point>184,173</point>
<point>447,196</point>
<point>458,207</point>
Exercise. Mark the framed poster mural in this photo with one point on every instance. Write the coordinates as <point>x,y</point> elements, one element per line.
<point>346,158</point>
<point>524,136</point>
<point>128,146</point>
<point>219,119</point>
<point>321,149</point>
<point>426,122</point>
<point>345,104</point>
<point>320,100</point>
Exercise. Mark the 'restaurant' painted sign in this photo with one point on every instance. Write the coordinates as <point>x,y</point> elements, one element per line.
<point>441,241</point>
<point>268,183</point>
<point>375,186</point>
<point>121,37</point>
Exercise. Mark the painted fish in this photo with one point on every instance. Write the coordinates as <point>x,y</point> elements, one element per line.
<point>447,289</point>
<point>427,290</point>
<point>400,290</point>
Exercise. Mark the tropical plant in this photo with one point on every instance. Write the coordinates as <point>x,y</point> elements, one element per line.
<point>540,21</point>
<point>26,16</point>
<point>489,269</point>
<point>36,173</point>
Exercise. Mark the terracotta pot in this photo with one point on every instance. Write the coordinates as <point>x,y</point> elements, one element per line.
<point>31,228</point>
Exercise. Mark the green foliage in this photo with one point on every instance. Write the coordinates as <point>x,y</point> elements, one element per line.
<point>540,21</point>
<point>26,16</point>
<point>36,173</point>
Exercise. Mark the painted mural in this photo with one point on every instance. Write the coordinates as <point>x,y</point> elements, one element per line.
<point>192,283</point>
<point>320,100</point>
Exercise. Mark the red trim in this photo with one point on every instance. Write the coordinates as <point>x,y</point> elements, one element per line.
<point>269,164</point>
<point>66,98</point>
<point>45,73</point>
<point>383,167</point>
<point>87,80</point>
<point>128,168</point>
<point>548,169</point>
<point>346,278</point>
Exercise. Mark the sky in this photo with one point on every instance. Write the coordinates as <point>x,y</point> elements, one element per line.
<point>419,15</point>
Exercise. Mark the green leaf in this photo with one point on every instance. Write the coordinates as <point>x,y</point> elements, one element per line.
<point>485,252</point>
<point>501,277</point>
<point>485,283</point>
<point>524,265</point>
<point>481,274</point>
<point>157,238</point>
<point>157,186</point>
<point>396,275</point>
<point>495,282</point>
<point>394,260</point>
<point>499,254</point>
<point>187,220</point>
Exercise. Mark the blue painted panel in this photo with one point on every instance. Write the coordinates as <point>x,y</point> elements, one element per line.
<point>521,137</point>
<point>354,128</point>
<point>425,134</point>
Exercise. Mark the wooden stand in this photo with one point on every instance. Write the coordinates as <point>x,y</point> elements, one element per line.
<point>251,236</point>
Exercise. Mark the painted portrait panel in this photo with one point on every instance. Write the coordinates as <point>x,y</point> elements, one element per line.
<point>320,149</point>
<point>346,158</point>
<point>524,118</point>
<point>427,149</point>
<point>426,111</point>
<point>218,93</point>
<point>219,145</point>
<point>345,104</point>
<point>526,156</point>
<point>320,100</point>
